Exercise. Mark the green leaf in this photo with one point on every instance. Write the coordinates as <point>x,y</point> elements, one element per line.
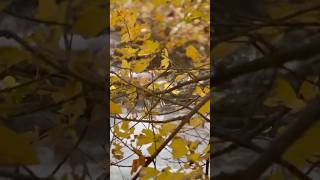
<point>15,150</point>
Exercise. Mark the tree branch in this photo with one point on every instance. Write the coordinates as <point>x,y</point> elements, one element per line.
<point>275,59</point>
<point>305,119</point>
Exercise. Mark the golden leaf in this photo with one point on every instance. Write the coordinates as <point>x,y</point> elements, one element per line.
<point>10,56</point>
<point>196,122</point>
<point>145,138</point>
<point>179,147</point>
<point>117,152</point>
<point>205,108</point>
<point>141,65</point>
<point>148,47</point>
<point>308,90</point>
<point>115,108</point>
<point>224,49</point>
<point>148,172</point>
<point>127,52</point>
<point>167,128</point>
<point>9,81</point>
<point>49,10</point>
<point>89,22</point>
<point>193,53</point>
<point>15,150</point>
<point>305,147</point>
<point>154,146</point>
<point>284,94</point>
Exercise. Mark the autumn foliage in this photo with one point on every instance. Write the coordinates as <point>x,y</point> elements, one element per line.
<point>160,88</point>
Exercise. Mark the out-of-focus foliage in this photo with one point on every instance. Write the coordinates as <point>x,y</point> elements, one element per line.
<point>257,93</point>
<point>51,85</point>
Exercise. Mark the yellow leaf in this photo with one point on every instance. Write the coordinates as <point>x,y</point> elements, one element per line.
<point>148,172</point>
<point>125,64</point>
<point>195,14</point>
<point>90,21</point>
<point>123,133</point>
<point>165,63</point>
<point>207,149</point>
<point>10,56</point>
<point>167,128</point>
<point>305,147</point>
<point>180,77</point>
<point>134,32</point>
<point>193,53</point>
<point>205,108</point>
<point>125,125</point>
<point>145,138</point>
<point>115,108</point>
<point>166,174</point>
<point>179,147</point>
<point>199,92</point>
<point>117,152</point>
<point>148,47</point>
<point>70,89</point>
<point>9,81</point>
<point>15,150</point>
<point>127,52</point>
<point>308,90</point>
<point>196,122</point>
<point>158,17</point>
<point>154,146</point>
<point>224,49</point>
<point>284,94</point>
<point>195,157</point>
<point>49,10</point>
<point>141,65</point>
<point>287,94</point>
